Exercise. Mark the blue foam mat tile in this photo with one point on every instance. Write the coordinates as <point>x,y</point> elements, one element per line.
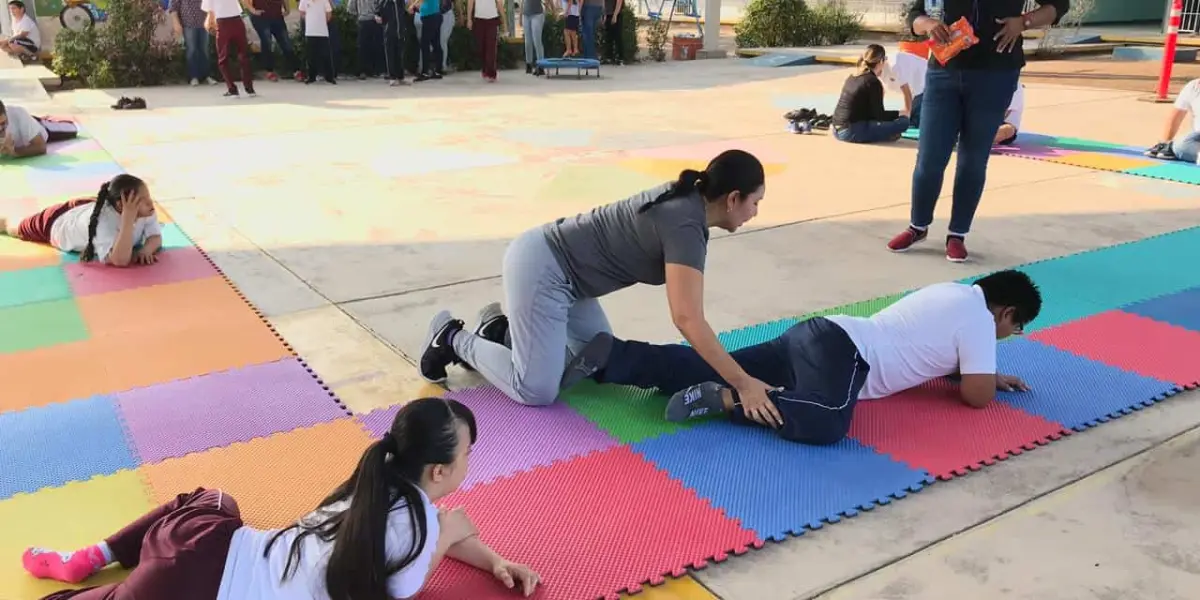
<point>754,334</point>
<point>1087,283</point>
<point>52,445</point>
<point>1181,309</point>
<point>1072,390</point>
<point>775,487</point>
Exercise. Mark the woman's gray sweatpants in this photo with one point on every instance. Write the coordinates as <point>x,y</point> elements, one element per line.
<point>548,324</point>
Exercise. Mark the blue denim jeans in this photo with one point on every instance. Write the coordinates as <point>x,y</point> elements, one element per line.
<point>815,363</point>
<point>915,117</point>
<point>195,43</point>
<point>277,29</point>
<point>963,106</point>
<point>1187,148</point>
<point>589,20</point>
<point>870,132</point>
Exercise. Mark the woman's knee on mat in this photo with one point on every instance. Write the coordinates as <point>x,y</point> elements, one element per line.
<point>536,389</point>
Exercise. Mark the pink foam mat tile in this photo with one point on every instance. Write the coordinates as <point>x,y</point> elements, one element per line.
<point>930,428</point>
<point>513,438</point>
<point>1132,343</point>
<point>173,266</point>
<point>210,411</point>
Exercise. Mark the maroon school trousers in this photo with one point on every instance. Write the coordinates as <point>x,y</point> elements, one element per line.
<point>486,31</point>
<point>231,33</point>
<point>36,228</point>
<point>177,551</point>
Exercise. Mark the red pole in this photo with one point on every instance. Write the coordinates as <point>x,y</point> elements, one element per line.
<point>1164,79</point>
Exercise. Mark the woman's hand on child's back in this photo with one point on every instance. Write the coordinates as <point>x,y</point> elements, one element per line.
<point>515,576</point>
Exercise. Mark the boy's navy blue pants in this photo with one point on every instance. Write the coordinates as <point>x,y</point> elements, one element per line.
<point>816,365</point>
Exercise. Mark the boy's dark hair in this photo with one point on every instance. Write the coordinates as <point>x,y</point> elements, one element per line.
<point>3,111</point>
<point>1012,288</point>
<point>17,3</point>
<point>424,432</point>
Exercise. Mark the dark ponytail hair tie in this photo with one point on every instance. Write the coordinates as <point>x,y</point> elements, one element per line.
<point>390,443</point>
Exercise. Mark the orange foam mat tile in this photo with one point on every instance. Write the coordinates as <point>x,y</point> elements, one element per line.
<point>115,363</point>
<point>66,518</point>
<point>180,306</point>
<point>16,255</point>
<point>276,479</point>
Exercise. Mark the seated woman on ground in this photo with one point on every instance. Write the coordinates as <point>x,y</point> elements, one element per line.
<point>378,535</point>
<point>860,117</point>
<point>118,227</point>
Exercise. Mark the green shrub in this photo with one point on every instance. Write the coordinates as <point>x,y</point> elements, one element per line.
<point>906,34</point>
<point>783,23</point>
<point>121,53</point>
<point>657,34</point>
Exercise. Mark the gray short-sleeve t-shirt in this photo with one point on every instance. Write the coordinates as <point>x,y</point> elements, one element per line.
<point>613,246</point>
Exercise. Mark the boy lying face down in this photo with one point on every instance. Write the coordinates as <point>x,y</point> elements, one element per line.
<point>821,367</point>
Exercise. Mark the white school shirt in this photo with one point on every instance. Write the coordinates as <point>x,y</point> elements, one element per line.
<point>69,233</point>
<point>1189,100</point>
<point>930,333</point>
<point>486,9</point>
<point>28,26</point>
<point>22,127</point>
<point>315,23</point>
<point>222,9</point>
<point>569,9</point>
<point>249,575</point>
<point>902,69</point>
<point>1016,107</point>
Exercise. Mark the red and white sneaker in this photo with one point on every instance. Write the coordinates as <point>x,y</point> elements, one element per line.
<point>907,239</point>
<point>272,77</point>
<point>956,249</point>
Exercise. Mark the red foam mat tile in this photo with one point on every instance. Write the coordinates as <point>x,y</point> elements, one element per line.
<point>930,428</point>
<point>592,527</point>
<point>1132,343</point>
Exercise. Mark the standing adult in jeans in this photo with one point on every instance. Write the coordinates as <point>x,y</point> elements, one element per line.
<point>612,30</point>
<point>224,19</point>
<point>533,20</point>
<point>187,19</point>
<point>267,19</point>
<point>430,12</point>
<point>449,20</point>
<point>964,102</point>
<point>593,11</point>
<point>370,38</point>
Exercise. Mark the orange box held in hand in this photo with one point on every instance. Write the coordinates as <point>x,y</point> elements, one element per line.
<point>962,36</point>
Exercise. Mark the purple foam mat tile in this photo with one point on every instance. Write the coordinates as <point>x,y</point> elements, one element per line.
<point>513,437</point>
<point>178,418</point>
<point>1042,152</point>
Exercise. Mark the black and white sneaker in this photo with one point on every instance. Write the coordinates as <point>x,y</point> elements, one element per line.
<point>438,353</point>
<point>592,359</point>
<point>1162,150</point>
<point>493,325</point>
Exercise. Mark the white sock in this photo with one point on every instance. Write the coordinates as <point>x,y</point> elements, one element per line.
<point>107,552</point>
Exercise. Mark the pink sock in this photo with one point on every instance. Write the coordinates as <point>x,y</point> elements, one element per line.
<point>72,567</point>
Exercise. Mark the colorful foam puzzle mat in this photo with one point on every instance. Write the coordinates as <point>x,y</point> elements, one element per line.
<point>597,492</point>
<point>1090,154</point>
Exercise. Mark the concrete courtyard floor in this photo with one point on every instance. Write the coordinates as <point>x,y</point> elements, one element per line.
<point>350,214</point>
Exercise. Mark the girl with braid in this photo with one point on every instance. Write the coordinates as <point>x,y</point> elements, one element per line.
<point>377,536</point>
<point>554,274</point>
<point>118,227</point>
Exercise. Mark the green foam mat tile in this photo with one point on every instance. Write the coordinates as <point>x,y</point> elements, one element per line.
<point>864,308</point>
<point>626,413</point>
<point>28,286</point>
<point>1179,172</point>
<point>1071,143</point>
<point>61,162</point>
<point>31,326</point>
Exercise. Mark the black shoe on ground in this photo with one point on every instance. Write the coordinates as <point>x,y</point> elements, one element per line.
<point>592,359</point>
<point>528,68</point>
<point>231,94</point>
<point>421,77</point>
<point>438,352</point>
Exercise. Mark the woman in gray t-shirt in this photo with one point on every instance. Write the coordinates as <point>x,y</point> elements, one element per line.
<point>554,273</point>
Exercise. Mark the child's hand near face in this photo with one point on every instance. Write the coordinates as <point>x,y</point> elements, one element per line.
<point>131,205</point>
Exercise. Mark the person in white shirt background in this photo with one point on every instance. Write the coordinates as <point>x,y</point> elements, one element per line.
<point>224,20</point>
<point>822,367</point>
<point>378,535</point>
<point>1186,148</point>
<point>905,73</point>
<point>26,39</point>
<point>118,227</point>
<point>317,14</point>
<point>1007,133</point>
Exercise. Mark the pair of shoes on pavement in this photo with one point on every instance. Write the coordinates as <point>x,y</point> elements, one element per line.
<point>956,246</point>
<point>1163,150</point>
<point>135,103</point>
<point>438,350</point>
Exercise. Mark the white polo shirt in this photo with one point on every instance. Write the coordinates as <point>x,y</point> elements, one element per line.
<point>1189,100</point>
<point>222,9</point>
<point>316,17</point>
<point>903,69</point>
<point>29,27</point>
<point>930,333</point>
<point>22,127</point>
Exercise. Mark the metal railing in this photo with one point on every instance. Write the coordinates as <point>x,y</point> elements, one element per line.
<point>1190,23</point>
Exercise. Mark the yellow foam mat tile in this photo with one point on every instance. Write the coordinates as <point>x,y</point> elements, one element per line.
<point>684,588</point>
<point>16,255</point>
<point>1103,162</point>
<point>667,169</point>
<point>66,518</point>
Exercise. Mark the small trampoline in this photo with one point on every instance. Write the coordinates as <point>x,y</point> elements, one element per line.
<point>581,66</point>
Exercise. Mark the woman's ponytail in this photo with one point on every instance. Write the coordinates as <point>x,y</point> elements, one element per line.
<point>731,171</point>
<point>689,180</point>
<point>102,197</point>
